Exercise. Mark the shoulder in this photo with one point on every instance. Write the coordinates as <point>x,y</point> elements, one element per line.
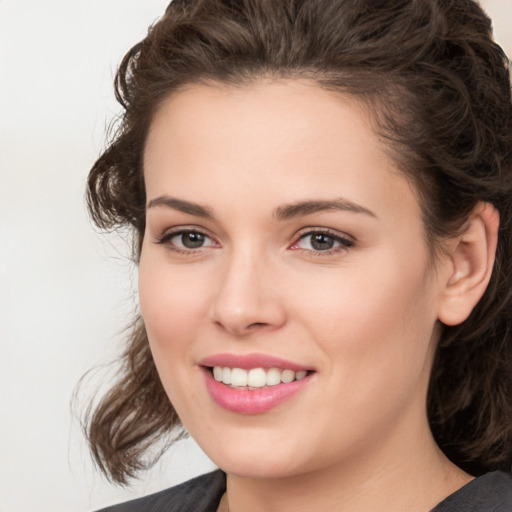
<point>491,492</point>
<point>201,494</point>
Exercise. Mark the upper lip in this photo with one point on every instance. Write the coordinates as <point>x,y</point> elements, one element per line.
<point>248,361</point>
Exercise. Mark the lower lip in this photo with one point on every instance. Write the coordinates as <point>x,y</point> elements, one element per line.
<point>254,401</point>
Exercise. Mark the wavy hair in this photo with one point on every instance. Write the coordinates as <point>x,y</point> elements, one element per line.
<point>438,89</point>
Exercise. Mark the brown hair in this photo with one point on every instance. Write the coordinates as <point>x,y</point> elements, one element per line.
<point>439,90</point>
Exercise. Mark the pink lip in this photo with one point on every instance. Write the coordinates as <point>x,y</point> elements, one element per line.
<point>254,401</point>
<point>248,361</point>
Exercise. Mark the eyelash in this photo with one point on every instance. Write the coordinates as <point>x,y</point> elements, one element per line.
<point>344,242</point>
<point>165,239</point>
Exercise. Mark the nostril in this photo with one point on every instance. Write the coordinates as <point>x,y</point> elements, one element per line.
<point>256,324</point>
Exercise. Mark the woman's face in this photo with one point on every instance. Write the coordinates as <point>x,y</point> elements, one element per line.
<point>280,235</point>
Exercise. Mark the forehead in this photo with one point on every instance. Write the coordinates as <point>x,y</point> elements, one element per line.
<point>281,139</point>
<point>264,111</point>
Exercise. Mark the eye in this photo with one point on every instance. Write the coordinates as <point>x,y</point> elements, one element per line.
<point>186,240</point>
<point>189,240</point>
<point>322,242</point>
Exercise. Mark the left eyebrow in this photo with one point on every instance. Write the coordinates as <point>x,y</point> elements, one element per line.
<point>302,208</point>
<point>182,206</point>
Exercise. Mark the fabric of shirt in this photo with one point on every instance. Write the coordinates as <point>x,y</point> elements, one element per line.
<point>201,494</point>
<point>491,492</point>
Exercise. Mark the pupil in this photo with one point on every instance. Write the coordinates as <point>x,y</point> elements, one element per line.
<point>322,242</point>
<point>192,240</point>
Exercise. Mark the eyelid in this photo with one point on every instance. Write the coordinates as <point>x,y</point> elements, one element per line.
<point>346,241</point>
<point>170,233</point>
<point>327,231</point>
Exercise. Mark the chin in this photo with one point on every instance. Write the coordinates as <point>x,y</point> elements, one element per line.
<point>253,461</point>
<point>263,469</point>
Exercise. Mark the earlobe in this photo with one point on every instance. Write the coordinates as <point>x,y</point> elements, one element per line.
<point>471,259</point>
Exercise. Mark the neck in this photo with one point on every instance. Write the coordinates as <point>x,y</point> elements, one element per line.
<point>395,475</point>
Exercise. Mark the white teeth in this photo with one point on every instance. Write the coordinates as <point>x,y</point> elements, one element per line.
<point>273,377</point>
<point>217,373</point>
<point>226,375</point>
<point>238,377</point>
<point>287,376</point>
<point>256,377</point>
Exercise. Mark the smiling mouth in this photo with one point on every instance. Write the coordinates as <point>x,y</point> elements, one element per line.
<point>255,378</point>
<point>254,389</point>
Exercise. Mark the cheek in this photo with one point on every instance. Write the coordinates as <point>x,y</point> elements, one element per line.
<point>374,321</point>
<point>173,312</point>
<point>173,304</point>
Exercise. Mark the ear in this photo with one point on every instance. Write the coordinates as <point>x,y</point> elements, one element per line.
<point>470,260</point>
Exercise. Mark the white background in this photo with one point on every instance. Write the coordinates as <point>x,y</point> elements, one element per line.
<point>66,291</point>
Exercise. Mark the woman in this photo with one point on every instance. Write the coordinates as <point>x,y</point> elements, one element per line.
<point>320,195</point>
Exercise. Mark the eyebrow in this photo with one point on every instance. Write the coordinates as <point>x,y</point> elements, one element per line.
<point>281,213</point>
<point>181,205</point>
<point>309,207</point>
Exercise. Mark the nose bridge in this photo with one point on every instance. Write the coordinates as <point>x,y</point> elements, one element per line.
<point>245,299</point>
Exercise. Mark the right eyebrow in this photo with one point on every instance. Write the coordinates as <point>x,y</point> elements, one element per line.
<point>181,206</point>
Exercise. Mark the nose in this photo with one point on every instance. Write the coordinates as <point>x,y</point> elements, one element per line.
<point>247,299</point>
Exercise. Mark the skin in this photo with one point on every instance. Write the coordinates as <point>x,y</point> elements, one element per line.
<point>365,316</point>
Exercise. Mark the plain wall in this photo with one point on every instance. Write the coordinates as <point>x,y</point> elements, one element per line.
<point>66,291</point>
